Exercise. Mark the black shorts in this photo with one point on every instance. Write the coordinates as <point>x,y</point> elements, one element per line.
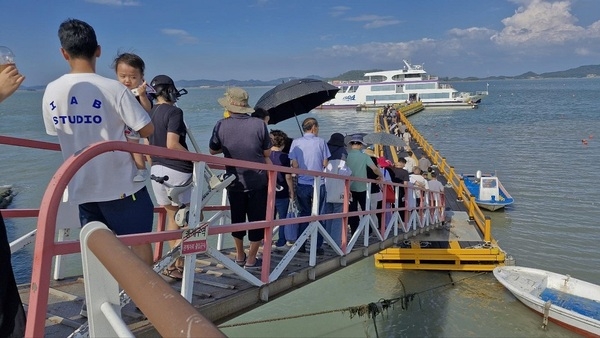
<point>133,214</point>
<point>251,204</point>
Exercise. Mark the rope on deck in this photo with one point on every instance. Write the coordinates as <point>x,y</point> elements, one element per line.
<point>371,310</point>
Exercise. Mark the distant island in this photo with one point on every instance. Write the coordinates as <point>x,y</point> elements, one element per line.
<point>591,71</point>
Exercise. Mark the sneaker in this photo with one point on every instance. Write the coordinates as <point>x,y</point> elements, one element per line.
<point>141,175</point>
<point>290,243</point>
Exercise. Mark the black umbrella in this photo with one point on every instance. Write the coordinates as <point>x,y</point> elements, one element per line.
<point>295,97</point>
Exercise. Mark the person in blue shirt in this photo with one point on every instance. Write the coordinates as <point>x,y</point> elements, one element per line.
<point>309,152</point>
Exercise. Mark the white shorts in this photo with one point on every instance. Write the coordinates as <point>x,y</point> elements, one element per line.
<point>175,178</point>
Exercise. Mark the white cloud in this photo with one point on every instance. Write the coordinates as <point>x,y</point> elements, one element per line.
<point>375,21</point>
<point>376,51</point>
<point>115,2</point>
<point>339,10</point>
<point>471,33</point>
<point>539,32</point>
<point>540,23</point>
<point>182,36</point>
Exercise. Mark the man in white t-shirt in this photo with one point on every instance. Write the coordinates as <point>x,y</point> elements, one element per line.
<point>419,184</point>
<point>83,108</point>
<point>436,187</point>
<point>411,163</point>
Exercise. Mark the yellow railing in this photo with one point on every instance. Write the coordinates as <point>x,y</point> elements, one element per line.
<point>483,222</point>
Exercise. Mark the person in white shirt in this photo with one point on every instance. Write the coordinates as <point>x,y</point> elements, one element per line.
<point>411,163</point>
<point>406,136</point>
<point>83,108</point>
<point>419,185</point>
<point>436,188</point>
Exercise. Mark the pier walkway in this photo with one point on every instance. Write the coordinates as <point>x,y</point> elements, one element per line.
<point>213,283</point>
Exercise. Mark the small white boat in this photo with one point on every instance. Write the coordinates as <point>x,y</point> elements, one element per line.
<point>410,84</point>
<point>489,193</point>
<point>568,301</point>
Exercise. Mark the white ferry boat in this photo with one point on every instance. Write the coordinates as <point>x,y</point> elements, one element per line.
<point>409,84</point>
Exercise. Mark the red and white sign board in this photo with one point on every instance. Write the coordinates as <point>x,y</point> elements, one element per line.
<point>193,240</point>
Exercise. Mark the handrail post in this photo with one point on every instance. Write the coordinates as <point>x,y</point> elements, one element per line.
<point>487,234</point>
<point>170,313</point>
<point>195,216</point>
<point>471,207</point>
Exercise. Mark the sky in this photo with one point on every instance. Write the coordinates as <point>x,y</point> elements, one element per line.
<point>272,39</point>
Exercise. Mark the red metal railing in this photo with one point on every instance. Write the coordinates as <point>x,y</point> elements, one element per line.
<point>46,247</point>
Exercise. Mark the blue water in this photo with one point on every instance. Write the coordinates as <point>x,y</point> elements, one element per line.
<point>529,132</point>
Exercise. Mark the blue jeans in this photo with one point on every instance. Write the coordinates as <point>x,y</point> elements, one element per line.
<point>304,193</point>
<point>281,209</point>
<point>333,226</point>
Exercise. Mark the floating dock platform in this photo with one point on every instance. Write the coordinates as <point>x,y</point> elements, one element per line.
<point>457,246</point>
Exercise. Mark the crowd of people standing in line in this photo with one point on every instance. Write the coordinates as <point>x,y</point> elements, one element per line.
<point>129,109</point>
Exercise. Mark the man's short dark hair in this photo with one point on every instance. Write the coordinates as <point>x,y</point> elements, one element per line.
<point>402,159</point>
<point>77,38</point>
<point>309,123</point>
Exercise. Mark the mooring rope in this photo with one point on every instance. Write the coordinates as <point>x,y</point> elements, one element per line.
<point>371,310</point>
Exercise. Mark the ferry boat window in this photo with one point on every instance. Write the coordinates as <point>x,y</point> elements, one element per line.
<point>415,86</point>
<point>435,95</point>
<point>413,76</point>
<point>391,97</point>
<point>398,77</point>
<point>352,89</point>
<point>343,89</point>
<point>399,89</point>
<point>383,88</point>
<point>377,78</point>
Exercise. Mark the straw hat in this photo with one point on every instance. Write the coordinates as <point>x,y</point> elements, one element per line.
<point>235,100</point>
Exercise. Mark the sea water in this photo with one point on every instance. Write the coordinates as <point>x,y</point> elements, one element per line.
<point>528,132</point>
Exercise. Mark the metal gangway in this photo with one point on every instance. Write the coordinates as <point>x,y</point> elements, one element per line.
<point>56,220</point>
